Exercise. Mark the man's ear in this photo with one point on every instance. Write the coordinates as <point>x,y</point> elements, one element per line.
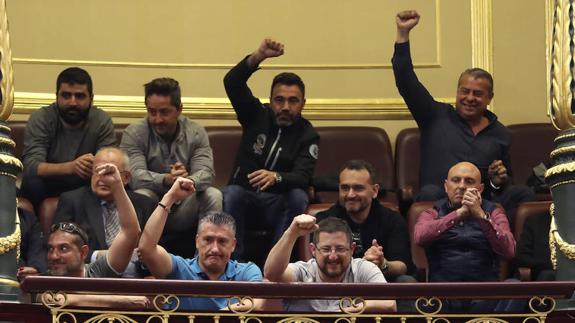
<point>375,190</point>
<point>312,248</point>
<point>126,177</point>
<point>353,247</point>
<point>480,188</point>
<point>84,251</point>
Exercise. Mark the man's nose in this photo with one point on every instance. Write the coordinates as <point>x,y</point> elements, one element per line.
<point>156,119</point>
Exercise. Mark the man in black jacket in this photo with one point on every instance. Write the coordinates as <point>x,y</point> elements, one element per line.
<point>278,150</point>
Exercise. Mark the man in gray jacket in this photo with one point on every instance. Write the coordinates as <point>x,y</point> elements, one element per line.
<point>165,146</point>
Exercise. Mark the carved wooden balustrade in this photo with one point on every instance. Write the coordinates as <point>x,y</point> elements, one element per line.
<point>428,297</point>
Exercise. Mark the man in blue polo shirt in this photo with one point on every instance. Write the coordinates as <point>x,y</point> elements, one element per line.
<point>215,242</point>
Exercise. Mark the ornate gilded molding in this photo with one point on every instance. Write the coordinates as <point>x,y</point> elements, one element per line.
<point>481,34</point>
<point>220,108</point>
<point>216,66</point>
<point>561,58</point>
<point>6,86</point>
<point>427,309</point>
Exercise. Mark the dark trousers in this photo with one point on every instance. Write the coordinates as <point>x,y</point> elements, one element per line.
<point>262,210</point>
<point>36,188</point>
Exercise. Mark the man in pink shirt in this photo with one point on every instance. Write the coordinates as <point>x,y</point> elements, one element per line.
<point>464,236</point>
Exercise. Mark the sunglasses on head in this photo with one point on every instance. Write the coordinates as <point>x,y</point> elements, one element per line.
<point>70,228</point>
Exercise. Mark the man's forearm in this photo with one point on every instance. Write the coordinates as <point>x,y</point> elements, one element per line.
<point>55,169</point>
<point>127,216</point>
<point>278,258</point>
<point>254,60</point>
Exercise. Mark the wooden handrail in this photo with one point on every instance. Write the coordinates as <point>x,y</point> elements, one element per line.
<point>516,290</point>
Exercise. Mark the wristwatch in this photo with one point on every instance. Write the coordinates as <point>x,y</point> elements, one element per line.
<point>277,177</point>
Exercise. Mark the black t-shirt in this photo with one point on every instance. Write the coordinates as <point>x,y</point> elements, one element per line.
<point>382,224</point>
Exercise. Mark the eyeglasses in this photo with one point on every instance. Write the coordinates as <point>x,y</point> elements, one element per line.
<point>70,228</point>
<point>327,250</point>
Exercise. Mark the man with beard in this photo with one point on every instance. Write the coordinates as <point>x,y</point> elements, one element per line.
<point>61,139</point>
<point>464,236</point>
<point>165,146</point>
<point>94,209</point>
<point>470,132</point>
<point>278,150</point>
<point>215,242</point>
<point>380,234</point>
<point>332,249</point>
<point>68,248</point>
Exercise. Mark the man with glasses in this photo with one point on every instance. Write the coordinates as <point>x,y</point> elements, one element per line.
<point>61,139</point>
<point>278,150</point>
<point>215,242</point>
<point>332,249</point>
<point>94,207</point>
<point>470,132</point>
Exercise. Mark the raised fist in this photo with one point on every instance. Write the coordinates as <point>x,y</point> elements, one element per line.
<point>270,48</point>
<point>406,20</point>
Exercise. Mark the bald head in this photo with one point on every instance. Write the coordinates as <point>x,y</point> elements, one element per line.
<point>461,177</point>
<point>113,156</point>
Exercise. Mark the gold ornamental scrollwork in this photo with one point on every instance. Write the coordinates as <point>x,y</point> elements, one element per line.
<point>55,300</point>
<point>11,241</point>
<point>6,85</point>
<point>542,305</point>
<point>243,305</point>
<point>111,317</point>
<point>556,241</point>
<point>428,306</point>
<point>61,317</point>
<point>561,75</point>
<point>354,306</point>
<point>161,301</point>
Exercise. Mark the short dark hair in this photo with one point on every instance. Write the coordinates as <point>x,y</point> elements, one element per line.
<point>74,75</point>
<point>478,73</point>
<point>218,218</point>
<point>81,237</point>
<point>360,164</point>
<point>287,78</point>
<point>164,86</point>
<point>331,225</point>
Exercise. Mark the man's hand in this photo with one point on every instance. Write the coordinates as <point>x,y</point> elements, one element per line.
<point>25,272</point>
<point>405,21</point>
<point>303,224</point>
<point>262,179</point>
<point>182,188</point>
<point>82,166</point>
<point>176,170</point>
<point>268,48</point>
<point>472,199</point>
<point>375,254</point>
<point>497,173</point>
<point>109,175</point>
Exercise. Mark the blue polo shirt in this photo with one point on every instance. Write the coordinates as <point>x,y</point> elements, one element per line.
<point>189,269</point>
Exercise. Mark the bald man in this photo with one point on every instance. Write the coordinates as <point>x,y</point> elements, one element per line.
<point>464,235</point>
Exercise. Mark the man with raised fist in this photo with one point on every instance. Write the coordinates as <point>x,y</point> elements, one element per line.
<point>332,249</point>
<point>278,150</point>
<point>215,242</point>
<point>470,132</point>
